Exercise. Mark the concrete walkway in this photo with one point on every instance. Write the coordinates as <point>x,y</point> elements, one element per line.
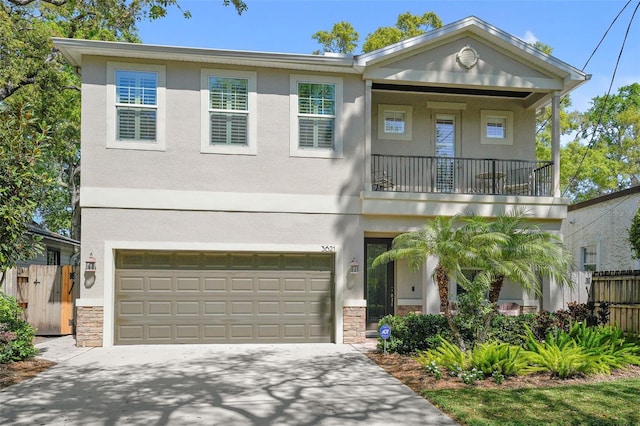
<point>312,384</point>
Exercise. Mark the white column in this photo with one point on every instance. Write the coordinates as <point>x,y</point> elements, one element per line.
<point>431,295</point>
<point>555,143</point>
<point>367,135</point>
<point>552,295</point>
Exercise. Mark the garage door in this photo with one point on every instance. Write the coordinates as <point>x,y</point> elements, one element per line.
<point>194,297</point>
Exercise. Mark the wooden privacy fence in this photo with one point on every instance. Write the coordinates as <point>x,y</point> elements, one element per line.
<point>47,294</point>
<point>622,290</point>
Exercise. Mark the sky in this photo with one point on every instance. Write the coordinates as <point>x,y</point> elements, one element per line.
<point>573,28</point>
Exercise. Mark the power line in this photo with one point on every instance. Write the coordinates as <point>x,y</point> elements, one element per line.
<point>592,53</point>
<point>606,98</point>
<point>605,34</point>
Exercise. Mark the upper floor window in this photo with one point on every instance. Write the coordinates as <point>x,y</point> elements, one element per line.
<point>394,122</point>
<point>136,105</point>
<point>497,127</point>
<point>135,114</point>
<point>229,112</point>
<point>316,129</point>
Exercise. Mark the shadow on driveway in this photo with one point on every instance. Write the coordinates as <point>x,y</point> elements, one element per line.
<point>217,385</point>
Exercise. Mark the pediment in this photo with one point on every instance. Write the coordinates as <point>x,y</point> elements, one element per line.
<point>438,64</point>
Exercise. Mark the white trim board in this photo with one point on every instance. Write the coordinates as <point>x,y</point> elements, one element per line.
<point>159,199</point>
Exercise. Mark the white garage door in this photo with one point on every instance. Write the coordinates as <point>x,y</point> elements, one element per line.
<point>191,297</point>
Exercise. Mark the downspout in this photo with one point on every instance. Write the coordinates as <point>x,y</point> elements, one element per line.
<point>555,143</point>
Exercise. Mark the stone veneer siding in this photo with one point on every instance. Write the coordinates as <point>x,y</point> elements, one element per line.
<point>90,321</point>
<point>406,309</point>
<point>355,327</point>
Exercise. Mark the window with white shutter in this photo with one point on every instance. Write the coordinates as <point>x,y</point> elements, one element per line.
<point>316,115</point>
<point>229,121</point>
<point>136,106</point>
<point>316,104</point>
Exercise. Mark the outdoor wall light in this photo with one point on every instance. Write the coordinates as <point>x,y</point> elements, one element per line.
<point>90,263</point>
<point>355,266</point>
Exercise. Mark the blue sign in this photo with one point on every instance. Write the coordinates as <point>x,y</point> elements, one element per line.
<point>385,331</point>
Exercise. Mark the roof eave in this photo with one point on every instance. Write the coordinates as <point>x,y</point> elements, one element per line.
<point>75,49</point>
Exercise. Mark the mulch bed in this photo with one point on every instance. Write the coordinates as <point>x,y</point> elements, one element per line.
<point>408,371</point>
<point>17,372</point>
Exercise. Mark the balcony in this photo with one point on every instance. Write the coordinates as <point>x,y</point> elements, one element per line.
<point>455,175</point>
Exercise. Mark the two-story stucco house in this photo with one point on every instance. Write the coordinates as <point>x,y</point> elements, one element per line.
<point>233,196</point>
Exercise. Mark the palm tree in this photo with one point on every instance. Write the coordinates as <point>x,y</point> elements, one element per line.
<point>506,248</point>
<point>449,243</point>
<point>526,255</point>
<point>437,238</point>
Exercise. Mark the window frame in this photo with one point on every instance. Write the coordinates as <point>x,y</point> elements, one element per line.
<point>294,143</point>
<point>159,144</point>
<point>447,181</point>
<point>486,117</point>
<point>251,148</point>
<point>55,252</point>
<point>583,257</point>
<point>407,110</point>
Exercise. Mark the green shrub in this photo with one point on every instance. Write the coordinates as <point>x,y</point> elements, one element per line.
<point>511,329</point>
<point>499,358</point>
<point>413,332</point>
<point>561,356</point>
<point>16,335</point>
<point>446,355</point>
<point>487,357</point>
<point>608,343</point>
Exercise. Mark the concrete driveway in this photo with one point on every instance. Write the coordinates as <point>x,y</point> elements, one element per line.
<point>313,384</point>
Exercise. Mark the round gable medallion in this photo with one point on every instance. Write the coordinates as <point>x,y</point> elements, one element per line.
<point>467,57</point>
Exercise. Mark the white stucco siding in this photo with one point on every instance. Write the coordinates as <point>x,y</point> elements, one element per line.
<point>495,68</point>
<point>469,126</point>
<point>108,230</point>
<point>182,166</point>
<point>218,231</point>
<point>605,226</point>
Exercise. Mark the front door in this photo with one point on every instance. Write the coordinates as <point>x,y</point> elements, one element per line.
<point>379,284</point>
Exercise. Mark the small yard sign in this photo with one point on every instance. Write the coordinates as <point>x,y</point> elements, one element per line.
<point>385,333</point>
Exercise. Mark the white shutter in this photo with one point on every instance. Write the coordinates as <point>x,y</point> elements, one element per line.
<point>138,91</point>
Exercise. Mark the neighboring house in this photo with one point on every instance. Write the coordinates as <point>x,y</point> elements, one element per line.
<point>233,196</point>
<point>44,285</point>
<point>58,249</point>
<point>597,231</point>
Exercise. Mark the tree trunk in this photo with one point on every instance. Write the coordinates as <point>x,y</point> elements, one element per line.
<point>74,192</point>
<point>496,287</point>
<point>494,296</point>
<point>442,279</point>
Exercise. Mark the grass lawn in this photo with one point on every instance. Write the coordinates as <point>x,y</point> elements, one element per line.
<point>604,403</point>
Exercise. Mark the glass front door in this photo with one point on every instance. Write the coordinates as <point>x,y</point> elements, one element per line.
<point>379,284</point>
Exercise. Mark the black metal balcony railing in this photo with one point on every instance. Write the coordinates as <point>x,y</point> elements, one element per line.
<point>397,173</point>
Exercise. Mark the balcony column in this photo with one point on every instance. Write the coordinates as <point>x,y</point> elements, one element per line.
<point>555,143</point>
<point>367,135</point>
